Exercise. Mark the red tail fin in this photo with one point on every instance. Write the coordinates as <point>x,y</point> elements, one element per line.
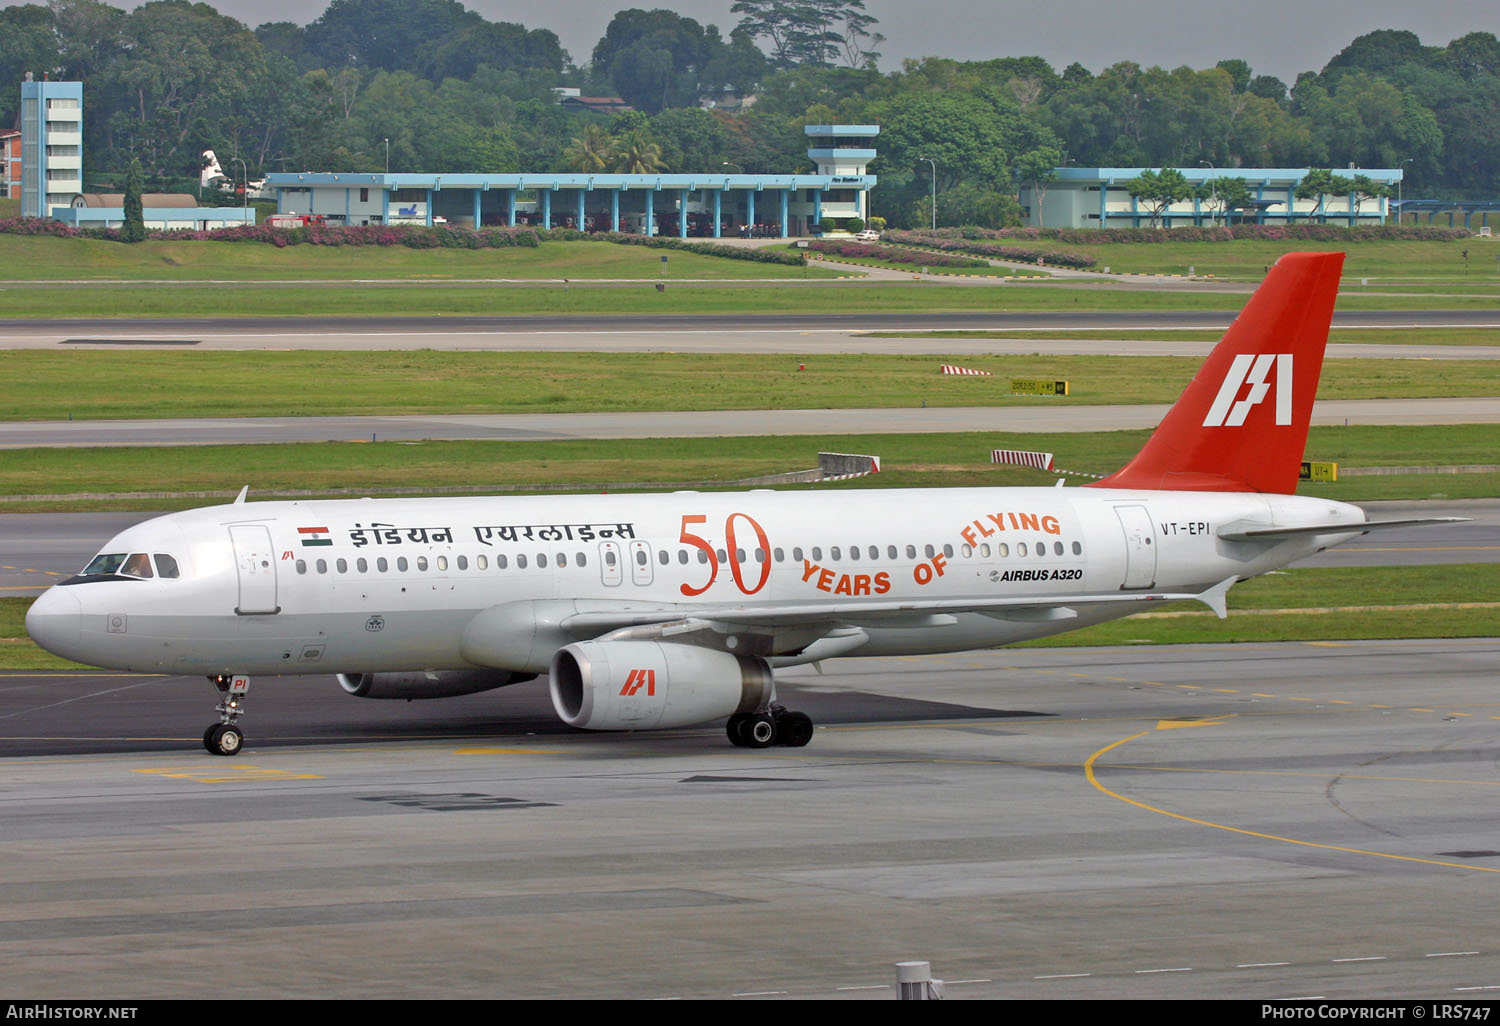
<point>1241,425</point>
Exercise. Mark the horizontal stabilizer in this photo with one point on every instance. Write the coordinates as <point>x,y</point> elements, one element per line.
<point>1272,533</point>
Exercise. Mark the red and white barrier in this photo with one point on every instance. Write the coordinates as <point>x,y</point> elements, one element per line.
<point>1022,458</point>
<point>949,368</point>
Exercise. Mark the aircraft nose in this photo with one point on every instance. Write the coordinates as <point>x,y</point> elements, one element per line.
<point>55,621</point>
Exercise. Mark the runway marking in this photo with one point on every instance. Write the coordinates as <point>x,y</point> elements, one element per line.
<point>867,986</point>
<point>1093,779</point>
<point>1261,965</point>
<point>1449,954</point>
<point>504,751</point>
<point>1063,976</point>
<point>1366,958</point>
<point>1144,972</point>
<point>236,774</point>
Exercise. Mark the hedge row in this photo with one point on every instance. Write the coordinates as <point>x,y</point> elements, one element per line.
<point>1218,233</point>
<point>892,254</point>
<point>964,244</point>
<point>757,254</point>
<point>412,236</point>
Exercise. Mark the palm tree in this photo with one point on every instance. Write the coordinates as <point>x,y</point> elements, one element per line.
<point>637,154</point>
<point>594,150</point>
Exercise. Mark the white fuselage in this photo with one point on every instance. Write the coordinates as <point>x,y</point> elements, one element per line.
<point>400,584</point>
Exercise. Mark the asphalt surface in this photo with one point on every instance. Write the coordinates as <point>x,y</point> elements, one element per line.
<point>1262,822</point>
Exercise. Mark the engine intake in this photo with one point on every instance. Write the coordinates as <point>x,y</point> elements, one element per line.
<point>644,685</point>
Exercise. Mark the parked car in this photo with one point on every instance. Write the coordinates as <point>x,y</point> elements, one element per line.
<point>868,235</point>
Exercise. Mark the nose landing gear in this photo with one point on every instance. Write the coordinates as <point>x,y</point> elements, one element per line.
<point>224,737</point>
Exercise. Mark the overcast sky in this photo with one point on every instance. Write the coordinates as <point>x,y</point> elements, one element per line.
<point>1277,37</point>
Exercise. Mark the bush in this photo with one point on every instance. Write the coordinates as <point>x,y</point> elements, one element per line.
<point>854,224</point>
<point>871,251</point>
<point>961,240</point>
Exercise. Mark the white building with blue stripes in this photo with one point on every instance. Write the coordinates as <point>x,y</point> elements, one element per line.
<point>705,204</point>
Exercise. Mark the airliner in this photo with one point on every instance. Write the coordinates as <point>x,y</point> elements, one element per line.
<point>668,610</point>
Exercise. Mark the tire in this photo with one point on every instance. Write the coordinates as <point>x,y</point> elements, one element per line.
<point>225,740</point>
<point>732,729</point>
<point>758,731</point>
<point>795,729</point>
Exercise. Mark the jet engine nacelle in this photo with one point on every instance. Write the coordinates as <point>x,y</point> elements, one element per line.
<point>439,684</point>
<point>642,685</point>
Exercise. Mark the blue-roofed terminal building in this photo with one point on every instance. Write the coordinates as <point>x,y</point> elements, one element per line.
<point>1098,197</point>
<point>711,203</point>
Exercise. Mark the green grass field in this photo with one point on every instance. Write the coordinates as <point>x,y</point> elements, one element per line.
<point>33,259</point>
<point>115,384</point>
<point>156,476</point>
<point>1384,262</point>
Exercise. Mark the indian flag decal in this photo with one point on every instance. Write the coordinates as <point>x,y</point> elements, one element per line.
<point>314,536</point>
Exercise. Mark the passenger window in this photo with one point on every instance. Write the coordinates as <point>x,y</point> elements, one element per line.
<point>984,550</point>
<point>463,562</point>
<point>817,554</point>
<point>931,552</point>
<point>911,552</point>
<point>609,557</point>
<point>779,553</point>
<point>1002,550</point>
<point>797,553</point>
<point>343,565</point>
<point>521,561</point>
<point>562,559</point>
<point>541,560</point>
<point>322,566</point>
<point>401,564</point>
<point>854,552</point>
<point>302,566</point>
<point>138,565</point>
<point>760,555</point>
<point>664,557</point>
<point>500,562</point>
<point>640,557</point>
<point>442,563</point>
<point>482,561</point>
<point>890,552</point>
<point>948,551</point>
<point>421,563</point>
<point>702,557</point>
<point>967,552</point>
<point>874,551</point>
<point>582,559</point>
<point>362,565</point>
<point>1077,549</point>
<point>739,555</point>
<point>382,564</point>
<point>166,567</point>
<point>1057,549</point>
<point>682,556</point>
<point>723,556</point>
<point>1020,548</point>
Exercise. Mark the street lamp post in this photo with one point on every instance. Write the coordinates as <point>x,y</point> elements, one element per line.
<point>934,190</point>
<point>244,177</point>
<point>1213,191</point>
<point>387,156</point>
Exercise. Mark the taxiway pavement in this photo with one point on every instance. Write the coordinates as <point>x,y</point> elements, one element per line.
<point>1250,821</point>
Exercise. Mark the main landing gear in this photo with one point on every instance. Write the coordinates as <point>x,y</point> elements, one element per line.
<point>224,737</point>
<point>776,726</point>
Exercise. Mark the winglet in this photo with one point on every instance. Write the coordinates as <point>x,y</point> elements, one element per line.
<point>240,498</point>
<point>1216,598</point>
<point>1241,425</point>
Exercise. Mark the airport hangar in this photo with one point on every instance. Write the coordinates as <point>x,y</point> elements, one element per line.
<point>710,204</point>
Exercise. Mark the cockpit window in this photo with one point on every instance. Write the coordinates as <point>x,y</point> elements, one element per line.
<point>104,564</point>
<point>166,567</point>
<point>138,564</point>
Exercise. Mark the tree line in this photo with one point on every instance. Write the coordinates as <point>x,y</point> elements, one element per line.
<point>427,85</point>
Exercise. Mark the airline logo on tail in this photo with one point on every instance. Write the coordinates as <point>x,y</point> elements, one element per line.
<point>1254,370</point>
